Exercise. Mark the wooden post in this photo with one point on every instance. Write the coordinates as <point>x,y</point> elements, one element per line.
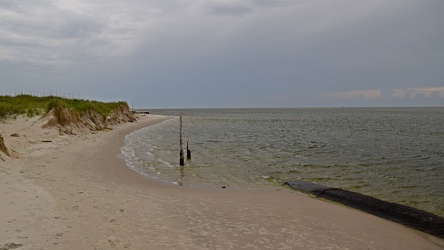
<point>181,158</point>
<point>188,153</point>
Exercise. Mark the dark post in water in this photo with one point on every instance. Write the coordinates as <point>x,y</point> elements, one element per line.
<point>188,153</point>
<point>181,159</point>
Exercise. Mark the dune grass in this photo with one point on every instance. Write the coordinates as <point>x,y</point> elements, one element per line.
<point>11,106</point>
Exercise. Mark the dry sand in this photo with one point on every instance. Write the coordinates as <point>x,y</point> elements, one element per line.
<point>75,193</point>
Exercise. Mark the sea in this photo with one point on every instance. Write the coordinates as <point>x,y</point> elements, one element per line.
<point>394,154</point>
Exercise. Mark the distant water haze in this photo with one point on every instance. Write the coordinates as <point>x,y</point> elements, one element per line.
<point>395,154</point>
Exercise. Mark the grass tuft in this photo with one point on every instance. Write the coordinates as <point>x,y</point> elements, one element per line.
<point>33,105</point>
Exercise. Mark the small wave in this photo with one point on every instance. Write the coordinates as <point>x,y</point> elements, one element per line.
<point>166,163</point>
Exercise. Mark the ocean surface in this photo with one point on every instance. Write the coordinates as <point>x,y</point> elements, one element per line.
<point>395,154</point>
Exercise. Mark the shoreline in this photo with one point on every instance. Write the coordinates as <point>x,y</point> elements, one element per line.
<point>409,216</point>
<point>76,193</point>
<point>387,159</point>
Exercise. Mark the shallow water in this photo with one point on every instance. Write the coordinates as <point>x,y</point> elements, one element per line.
<point>396,154</point>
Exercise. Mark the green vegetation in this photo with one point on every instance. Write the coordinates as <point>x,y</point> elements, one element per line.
<point>33,105</point>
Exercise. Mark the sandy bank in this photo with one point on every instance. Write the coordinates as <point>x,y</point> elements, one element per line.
<point>72,192</point>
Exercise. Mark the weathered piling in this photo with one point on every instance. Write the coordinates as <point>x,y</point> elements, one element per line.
<point>181,158</point>
<point>188,153</point>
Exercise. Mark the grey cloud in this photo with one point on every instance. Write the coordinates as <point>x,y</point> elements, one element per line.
<point>80,28</point>
<point>229,9</point>
<point>243,7</point>
<point>272,53</point>
<point>23,5</point>
<point>49,32</point>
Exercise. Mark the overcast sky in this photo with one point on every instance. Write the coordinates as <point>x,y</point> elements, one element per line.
<point>226,53</point>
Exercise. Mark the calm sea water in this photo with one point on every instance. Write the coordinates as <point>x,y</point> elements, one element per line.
<point>395,154</point>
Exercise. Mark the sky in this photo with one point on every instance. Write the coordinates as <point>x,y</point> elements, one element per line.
<point>226,53</point>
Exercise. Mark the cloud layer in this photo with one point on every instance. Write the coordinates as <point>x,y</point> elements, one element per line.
<point>226,52</point>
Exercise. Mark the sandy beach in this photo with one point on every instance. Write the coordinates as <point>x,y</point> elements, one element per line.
<point>74,192</point>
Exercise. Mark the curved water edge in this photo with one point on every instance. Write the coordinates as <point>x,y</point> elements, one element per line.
<point>134,147</point>
<point>394,154</point>
<point>408,216</point>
